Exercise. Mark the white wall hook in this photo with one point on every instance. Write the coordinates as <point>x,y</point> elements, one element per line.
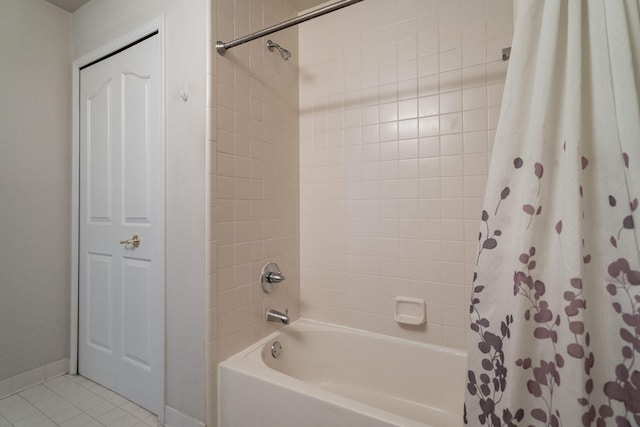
<point>184,93</point>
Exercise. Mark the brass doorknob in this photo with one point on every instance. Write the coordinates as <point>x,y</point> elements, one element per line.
<point>134,241</point>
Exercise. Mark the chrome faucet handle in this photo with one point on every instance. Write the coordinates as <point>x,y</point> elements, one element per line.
<point>275,277</point>
<point>270,277</point>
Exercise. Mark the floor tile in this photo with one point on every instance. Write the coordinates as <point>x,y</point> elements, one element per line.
<point>141,413</point>
<point>101,409</point>
<point>34,393</point>
<point>112,416</point>
<point>46,423</point>
<point>66,415</point>
<point>52,405</point>
<point>126,421</point>
<point>72,401</point>
<point>96,388</point>
<point>89,403</point>
<point>55,381</point>
<point>12,402</point>
<point>77,421</point>
<point>128,406</point>
<point>31,420</point>
<point>19,412</point>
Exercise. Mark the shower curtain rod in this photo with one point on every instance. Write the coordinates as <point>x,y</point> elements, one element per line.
<point>222,47</point>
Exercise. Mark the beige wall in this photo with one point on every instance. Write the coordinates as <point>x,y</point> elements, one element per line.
<point>35,161</point>
<point>97,23</point>
<point>399,103</point>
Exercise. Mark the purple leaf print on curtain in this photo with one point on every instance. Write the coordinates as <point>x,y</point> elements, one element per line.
<point>554,336</point>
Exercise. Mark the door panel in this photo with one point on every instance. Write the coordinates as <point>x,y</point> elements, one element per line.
<point>99,288</point>
<point>121,289</point>
<point>135,146</point>
<point>98,146</point>
<point>136,312</point>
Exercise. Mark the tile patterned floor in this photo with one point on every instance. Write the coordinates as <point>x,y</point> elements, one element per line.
<point>72,401</point>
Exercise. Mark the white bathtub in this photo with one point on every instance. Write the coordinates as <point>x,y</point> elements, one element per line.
<point>327,375</point>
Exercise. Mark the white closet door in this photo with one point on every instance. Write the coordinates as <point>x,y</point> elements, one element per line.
<point>121,289</point>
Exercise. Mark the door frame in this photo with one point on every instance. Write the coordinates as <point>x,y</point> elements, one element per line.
<point>112,47</point>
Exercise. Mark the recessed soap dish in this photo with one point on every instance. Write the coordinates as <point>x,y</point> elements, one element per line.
<point>410,311</point>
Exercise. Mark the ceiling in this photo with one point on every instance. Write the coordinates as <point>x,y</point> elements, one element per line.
<point>72,5</point>
<point>69,5</point>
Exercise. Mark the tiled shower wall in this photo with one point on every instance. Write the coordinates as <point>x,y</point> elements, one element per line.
<point>253,202</point>
<point>399,101</point>
<point>257,169</point>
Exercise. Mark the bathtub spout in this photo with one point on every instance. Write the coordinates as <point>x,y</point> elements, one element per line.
<point>276,316</point>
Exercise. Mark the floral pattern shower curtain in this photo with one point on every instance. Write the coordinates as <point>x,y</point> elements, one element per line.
<point>555,311</point>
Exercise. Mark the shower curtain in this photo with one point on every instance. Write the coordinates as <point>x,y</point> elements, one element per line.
<point>554,334</point>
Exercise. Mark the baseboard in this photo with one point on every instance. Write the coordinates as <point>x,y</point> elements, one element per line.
<point>33,377</point>
<point>174,418</point>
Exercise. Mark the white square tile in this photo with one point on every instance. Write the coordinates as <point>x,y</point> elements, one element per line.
<point>19,412</point>
<point>475,164</point>
<point>428,44</point>
<point>408,129</point>
<point>429,105</point>
<point>408,109</point>
<point>388,112</point>
<point>141,413</point>
<point>450,80</point>
<point>474,54</point>
<point>427,22</point>
<point>474,98</point>
<point>429,146</point>
<point>52,405</point>
<point>428,64</point>
<point>450,59</point>
<point>451,123</point>
<point>65,415</point>
<point>429,168</point>
<point>77,421</point>
<point>475,120</point>
<point>32,420</point>
<point>494,94</point>
<point>126,421</point>
<point>499,25</point>
<point>112,416</point>
<point>406,49</point>
<point>450,18</point>
<point>408,149</point>
<point>56,381</point>
<point>451,144</point>
<point>91,402</point>
<point>451,188</point>
<point>450,39</point>
<point>429,85</point>
<point>99,410</point>
<point>35,393</point>
<point>451,102</point>
<point>429,126</point>
<point>474,31</point>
